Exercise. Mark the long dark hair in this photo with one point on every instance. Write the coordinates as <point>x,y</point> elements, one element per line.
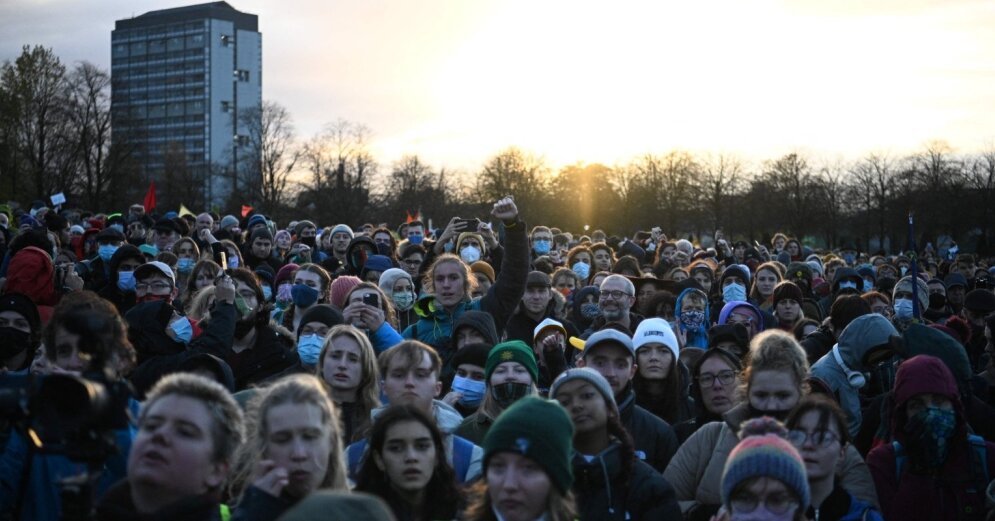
<point>442,497</point>
<point>667,405</point>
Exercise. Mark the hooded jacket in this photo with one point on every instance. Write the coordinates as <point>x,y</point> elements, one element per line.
<point>577,300</point>
<point>862,334</point>
<point>355,260</point>
<point>122,300</point>
<point>435,323</point>
<point>695,472</point>
<point>603,492</point>
<point>117,505</point>
<point>32,274</point>
<point>955,491</point>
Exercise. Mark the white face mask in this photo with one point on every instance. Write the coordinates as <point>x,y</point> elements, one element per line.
<point>470,254</point>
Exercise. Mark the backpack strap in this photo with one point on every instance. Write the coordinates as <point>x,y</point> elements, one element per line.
<point>462,455</point>
<point>354,457</point>
<point>900,458</point>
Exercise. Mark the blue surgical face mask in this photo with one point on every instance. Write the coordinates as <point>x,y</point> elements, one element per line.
<point>542,246</point>
<point>309,347</point>
<point>126,280</point>
<point>868,285</point>
<point>184,265</point>
<point>267,292</point>
<point>582,269</point>
<point>448,246</point>
<point>106,251</point>
<point>182,329</point>
<point>470,254</point>
<point>416,239</point>
<point>403,299</point>
<point>903,308</point>
<point>472,391</point>
<point>303,295</point>
<point>734,292</point>
<point>848,284</point>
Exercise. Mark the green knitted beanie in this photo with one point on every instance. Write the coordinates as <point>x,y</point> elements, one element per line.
<point>540,430</point>
<point>511,351</point>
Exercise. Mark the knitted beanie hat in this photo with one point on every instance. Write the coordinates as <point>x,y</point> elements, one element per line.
<point>342,228</point>
<point>538,429</point>
<point>511,351</point>
<point>590,376</point>
<point>658,331</point>
<point>787,290</point>
<point>485,268</point>
<point>341,287</point>
<point>767,456</point>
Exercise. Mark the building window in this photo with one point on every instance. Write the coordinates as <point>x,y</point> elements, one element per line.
<point>241,141</point>
<point>242,74</point>
<point>227,40</point>
<point>225,106</point>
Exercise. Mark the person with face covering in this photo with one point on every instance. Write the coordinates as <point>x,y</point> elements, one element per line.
<point>510,375</point>
<point>585,307</point>
<point>20,333</point>
<point>398,285</point>
<point>773,380</point>
<point>902,297</point>
<point>609,481</point>
<point>120,288</point>
<point>935,468</point>
<point>317,321</point>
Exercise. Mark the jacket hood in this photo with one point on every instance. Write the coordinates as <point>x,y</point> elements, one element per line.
<point>730,306</point>
<point>924,340</point>
<point>354,258</point>
<point>923,374</point>
<point>578,298</point>
<point>446,417</point>
<point>862,334</point>
<point>480,321</point>
<point>126,251</point>
<point>31,272</point>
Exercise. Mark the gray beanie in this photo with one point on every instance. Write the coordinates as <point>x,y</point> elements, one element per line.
<point>590,376</point>
<point>905,284</point>
<point>228,221</point>
<point>389,278</point>
<point>342,228</point>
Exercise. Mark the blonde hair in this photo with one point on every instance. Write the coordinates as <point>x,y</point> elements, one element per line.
<point>293,389</point>
<point>197,309</point>
<point>776,350</point>
<point>559,507</point>
<point>368,392</point>
<point>469,281</point>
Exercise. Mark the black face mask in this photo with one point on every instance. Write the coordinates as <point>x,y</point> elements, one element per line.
<point>308,241</point>
<point>242,327</point>
<point>937,300</point>
<point>777,415</point>
<point>13,342</point>
<point>509,392</point>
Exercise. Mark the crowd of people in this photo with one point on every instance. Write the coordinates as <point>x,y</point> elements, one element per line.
<point>491,371</point>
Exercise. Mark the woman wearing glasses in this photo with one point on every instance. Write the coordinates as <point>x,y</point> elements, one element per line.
<point>713,388</point>
<point>774,384</point>
<point>817,428</point>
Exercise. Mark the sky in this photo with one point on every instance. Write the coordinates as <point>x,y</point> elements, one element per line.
<point>456,81</point>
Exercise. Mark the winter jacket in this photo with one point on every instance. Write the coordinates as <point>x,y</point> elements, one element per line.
<point>685,409</point>
<point>859,337</point>
<point>599,323</point>
<point>32,274</point>
<point>604,493</point>
<point>577,301</point>
<point>653,438</point>
<point>158,355</point>
<point>257,505</point>
<point>435,325</point>
<point>448,420</point>
<point>41,499</point>
<point>117,505</point>
<point>522,327</point>
<point>840,505</point>
<point>475,427</point>
<point>696,470</point>
<point>476,320</point>
<point>956,490</point>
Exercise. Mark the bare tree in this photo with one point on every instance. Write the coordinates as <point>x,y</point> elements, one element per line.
<point>719,178</point>
<point>342,172</point>
<point>516,173</point>
<point>272,144</point>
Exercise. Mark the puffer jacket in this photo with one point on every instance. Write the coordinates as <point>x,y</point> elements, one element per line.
<point>863,333</point>
<point>603,492</point>
<point>695,472</point>
<point>653,438</point>
<point>435,323</point>
<point>956,490</point>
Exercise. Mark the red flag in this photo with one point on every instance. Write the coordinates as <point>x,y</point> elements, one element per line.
<point>149,202</point>
<point>246,210</point>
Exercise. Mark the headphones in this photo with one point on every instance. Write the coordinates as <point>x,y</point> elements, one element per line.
<point>854,378</point>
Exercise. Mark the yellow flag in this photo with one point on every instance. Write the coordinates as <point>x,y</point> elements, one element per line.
<point>184,210</point>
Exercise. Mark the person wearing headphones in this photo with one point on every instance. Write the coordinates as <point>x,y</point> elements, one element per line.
<point>864,343</point>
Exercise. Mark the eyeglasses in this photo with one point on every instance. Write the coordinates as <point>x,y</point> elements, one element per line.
<point>616,294</point>
<point>724,378</point>
<point>155,286</point>
<point>776,503</point>
<point>818,438</point>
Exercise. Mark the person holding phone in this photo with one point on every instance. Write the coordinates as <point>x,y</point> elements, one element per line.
<point>368,309</point>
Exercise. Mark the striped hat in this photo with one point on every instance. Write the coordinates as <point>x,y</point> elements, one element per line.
<point>767,456</point>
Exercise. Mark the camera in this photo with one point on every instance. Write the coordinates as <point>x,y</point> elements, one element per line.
<point>371,299</point>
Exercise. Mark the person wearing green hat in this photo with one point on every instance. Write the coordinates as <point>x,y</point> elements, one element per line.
<point>510,373</point>
<point>527,472</point>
